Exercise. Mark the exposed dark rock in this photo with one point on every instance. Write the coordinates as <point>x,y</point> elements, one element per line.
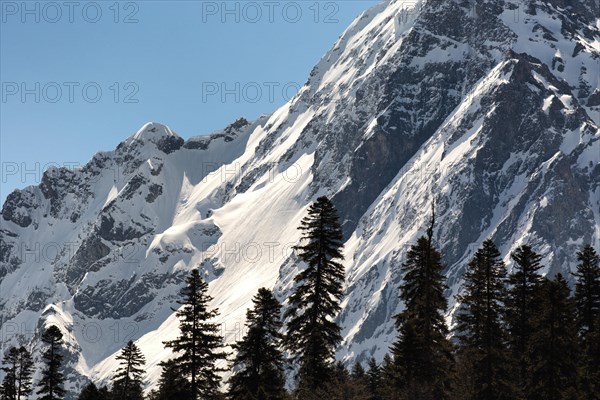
<point>117,232</point>
<point>85,259</point>
<point>154,191</point>
<point>197,144</point>
<point>110,299</point>
<point>37,300</point>
<point>236,126</point>
<point>18,206</point>
<point>133,187</point>
<point>169,144</point>
<point>155,171</point>
<point>58,183</point>
<point>519,169</point>
<point>228,134</point>
<point>594,99</point>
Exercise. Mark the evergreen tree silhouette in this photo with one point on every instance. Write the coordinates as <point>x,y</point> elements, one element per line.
<point>258,365</point>
<point>312,333</point>
<point>480,327</point>
<point>199,343</point>
<point>587,302</point>
<point>51,383</point>
<point>422,353</point>
<point>552,347</point>
<point>128,381</point>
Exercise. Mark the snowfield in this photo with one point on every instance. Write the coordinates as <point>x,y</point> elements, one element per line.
<point>494,118</point>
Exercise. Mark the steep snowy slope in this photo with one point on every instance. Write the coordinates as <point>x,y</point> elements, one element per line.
<point>491,107</point>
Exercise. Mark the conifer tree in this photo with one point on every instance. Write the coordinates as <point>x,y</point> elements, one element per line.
<point>552,347</point>
<point>480,327</point>
<point>91,392</point>
<point>340,372</point>
<point>464,387</point>
<point>587,289</point>
<point>172,385</point>
<point>18,370</point>
<point>128,381</point>
<point>9,383</point>
<point>590,371</point>
<point>374,380</point>
<point>312,333</point>
<point>51,384</point>
<point>199,342</point>
<point>587,302</point>
<point>390,377</point>
<point>24,373</point>
<point>258,365</point>
<point>521,303</point>
<point>358,372</point>
<point>422,353</point>
<point>358,383</point>
<point>345,385</point>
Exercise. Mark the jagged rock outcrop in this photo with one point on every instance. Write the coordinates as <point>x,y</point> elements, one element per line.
<point>488,106</point>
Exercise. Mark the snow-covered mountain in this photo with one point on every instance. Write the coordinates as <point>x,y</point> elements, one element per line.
<point>490,106</point>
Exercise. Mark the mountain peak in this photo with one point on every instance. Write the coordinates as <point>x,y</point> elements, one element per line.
<point>158,134</point>
<point>493,114</point>
<point>152,130</point>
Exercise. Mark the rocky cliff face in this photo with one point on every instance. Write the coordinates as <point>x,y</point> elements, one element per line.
<point>491,107</point>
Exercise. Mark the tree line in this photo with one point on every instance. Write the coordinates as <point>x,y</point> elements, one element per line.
<point>515,336</point>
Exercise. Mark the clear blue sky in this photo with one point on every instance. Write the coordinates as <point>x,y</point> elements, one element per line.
<point>163,61</point>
